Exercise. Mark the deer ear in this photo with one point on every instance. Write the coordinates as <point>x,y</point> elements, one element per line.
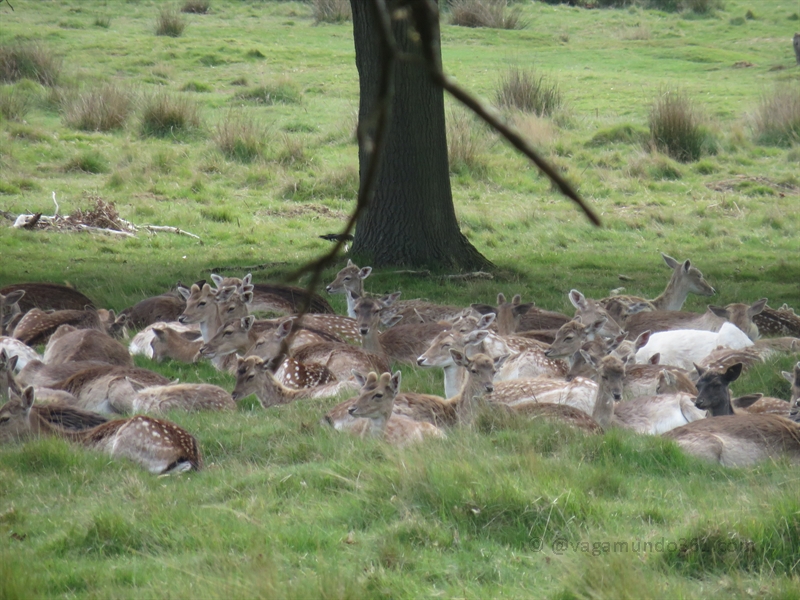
<point>500,360</point>
<point>247,279</point>
<point>501,299</point>
<point>642,339</point>
<point>486,320</point>
<point>720,311</point>
<point>14,297</point>
<point>159,333</point>
<point>459,357</point>
<point>137,386</point>
<point>284,328</point>
<point>655,359</point>
<point>217,279</point>
<point>359,377</point>
<point>484,309</point>
<point>353,296</point>
<point>476,337</point>
<point>671,262</point>
<point>12,362</point>
<point>578,300</point>
<point>733,372</point>
<point>395,381</point>
<point>746,400</point>
<point>390,299</point>
<point>687,265</point>
<point>392,321</point>
<point>27,398</point>
<point>364,272</point>
<point>350,263</point>
<point>186,293</point>
<point>590,360</point>
<point>700,370</point>
<point>246,297</point>
<point>756,307</point>
<point>247,322</point>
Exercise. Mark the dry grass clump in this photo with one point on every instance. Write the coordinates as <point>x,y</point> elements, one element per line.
<point>523,90</point>
<point>240,138</point>
<point>103,109</point>
<point>493,14</point>
<point>466,144</point>
<point>197,7</point>
<point>676,127</point>
<point>776,121</point>
<point>167,115</point>
<point>170,23</point>
<point>29,61</point>
<point>88,161</point>
<point>540,132</point>
<point>282,91</point>
<point>14,103</point>
<point>331,11</point>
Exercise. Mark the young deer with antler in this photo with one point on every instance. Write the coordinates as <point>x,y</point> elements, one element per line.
<point>158,446</point>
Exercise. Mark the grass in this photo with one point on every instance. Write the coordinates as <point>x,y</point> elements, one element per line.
<point>103,109</point>
<point>167,115</point>
<point>240,137</point>
<point>485,13</point>
<point>15,102</point>
<point>776,122</point>
<point>676,127</point>
<point>29,61</point>
<point>170,23</point>
<point>287,508</point>
<point>332,11</point>
<point>523,90</point>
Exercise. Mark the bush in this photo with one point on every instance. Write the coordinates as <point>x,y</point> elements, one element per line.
<point>282,92</point>
<point>484,13</point>
<point>169,23</point>
<point>102,22</point>
<point>676,128</point>
<point>240,138</point>
<point>523,90</point>
<point>466,145</point>
<point>165,115</point>
<point>198,7</point>
<point>102,109</point>
<point>87,162</point>
<point>332,11</point>
<point>777,119</point>
<point>14,103</point>
<point>29,61</point>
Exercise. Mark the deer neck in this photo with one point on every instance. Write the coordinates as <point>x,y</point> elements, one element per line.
<point>210,325</point>
<point>603,411</point>
<point>358,288</point>
<point>675,294</point>
<point>372,342</point>
<point>468,399</point>
<point>272,392</point>
<point>454,377</point>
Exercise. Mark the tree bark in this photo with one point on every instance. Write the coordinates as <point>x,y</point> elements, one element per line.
<point>410,220</point>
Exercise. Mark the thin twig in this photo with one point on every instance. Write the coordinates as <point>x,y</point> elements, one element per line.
<point>104,230</point>
<point>167,228</point>
<point>9,4</point>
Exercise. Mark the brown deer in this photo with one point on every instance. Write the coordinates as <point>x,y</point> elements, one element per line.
<point>373,407</point>
<point>36,326</point>
<point>70,344</point>
<point>591,311</point>
<point>159,446</point>
<point>10,310</point>
<point>401,343</point>
<point>159,399</point>
<point>156,309</point>
<point>515,316</point>
<point>780,321</point>
<point>23,352</point>
<point>686,279</point>
<point>48,296</point>
<point>740,440</point>
<point>168,343</point>
<point>713,395</point>
<point>297,369</point>
<point>794,379</point>
<point>255,376</point>
<point>275,297</point>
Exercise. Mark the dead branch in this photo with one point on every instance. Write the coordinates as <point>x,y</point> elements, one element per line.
<point>31,223</point>
<point>104,230</point>
<point>167,228</point>
<point>466,276</point>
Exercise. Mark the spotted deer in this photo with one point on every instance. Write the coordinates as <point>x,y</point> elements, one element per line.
<point>190,397</point>
<point>163,308</point>
<point>591,311</point>
<point>10,310</point>
<point>401,343</point>
<point>509,314</point>
<point>275,297</point>
<point>301,366</point>
<point>7,383</point>
<point>686,279</point>
<point>210,309</point>
<point>70,344</point>
<point>168,343</point>
<point>37,326</point>
<point>159,446</point>
<point>781,321</point>
<point>254,376</point>
<point>23,352</point>
<point>48,296</point>
<point>374,409</point>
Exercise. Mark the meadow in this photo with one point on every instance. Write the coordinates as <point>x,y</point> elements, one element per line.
<point>265,163</point>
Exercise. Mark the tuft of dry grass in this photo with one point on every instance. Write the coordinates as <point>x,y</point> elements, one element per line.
<point>167,115</point>
<point>676,127</point>
<point>331,11</point>
<point>466,144</point>
<point>14,103</point>
<point>493,14</point>
<point>170,23</point>
<point>102,109</point>
<point>240,138</point>
<point>522,89</point>
<point>29,61</point>
<point>540,132</point>
<point>776,121</point>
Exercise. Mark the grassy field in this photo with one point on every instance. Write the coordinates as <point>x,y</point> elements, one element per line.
<point>287,508</point>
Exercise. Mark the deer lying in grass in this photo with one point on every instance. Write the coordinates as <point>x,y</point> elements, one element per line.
<point>9,384</point>
<point>713,395</point>
<point>254,376</point>
<point>401,343</point>
<point>591,311</point>
<point>515,316</point>
<point>685,280</point>
<point>159,446</point>
<point>171,344</point>
<point>275,297</point>
<point>373,407</point>
<point>159,399</point>
<point>740,440</point>
<point>459,409</point>
<point>10,310</point>
<point>781,321</point>
<point>794,379</point>
<point>684,347</point>
<point>739,314</point>
<point>36,326</point>
<point>70,344</point>
<point>303,366</point>
<point>350,282</point>
<point>48,296</point>
<point>164,308</point>
<point>23,352</point>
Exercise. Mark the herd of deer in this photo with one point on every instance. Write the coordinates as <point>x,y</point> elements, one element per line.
<point>621,361</point>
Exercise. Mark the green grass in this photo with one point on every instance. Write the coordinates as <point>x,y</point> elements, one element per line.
<point>286,508</point>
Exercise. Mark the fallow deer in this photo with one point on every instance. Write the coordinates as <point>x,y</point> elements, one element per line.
<point>23,352</point>
<point>48,296</point>
<point>515,316</point>
<point>156,309</point>
<point>169,343</point>
<point>300,367</point>
<point>254,376</point>
<point>781,321</point>
<point>714,395</point>
<point>275,297</point>
<point>176,342</point>
<point>211,309</point>
<point>159,446</point>
<point>401,343</point>
<point>794,379</point>
<point>70,344</point>
<point>373,408</point>
<point>159,399</point>
<point>685,280</point>
<point>10,310</point>
<point>37,326</point>
<point>684,347</point>
<point>739,440</point>
<point>591,311</point>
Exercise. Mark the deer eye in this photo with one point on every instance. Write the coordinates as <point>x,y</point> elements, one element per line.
<point>347,278</point>
<point>569,337</point>
<point>203,303</point>
<point>446,345</point>
<point>475,371</point>
<point>249,377</point>
<point>377,397</point>
<point>5,419</point>
<point>226,333</point>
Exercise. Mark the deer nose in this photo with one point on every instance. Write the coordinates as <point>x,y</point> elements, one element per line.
<point>617,397</point>
<point>206,351</point>
<point>548,352</point>
<point>363,330</point>
<point>352,410</point>
<point>421,361</point>
<point>328,289</point>
<point>182,319</point>
<point>489,387</point>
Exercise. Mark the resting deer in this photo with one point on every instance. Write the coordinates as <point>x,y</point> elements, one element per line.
<point>275,297</point>
<point>794,379</point>
<point>350,282</point>
<point>740,440</point>
<point>159,399</point>
<point>159,446</point>
<point>37,326</point>
<point>401,343</point>
<point>169,343</point>
<point>373,407</point>
<point>591,311</point>
<point>515,316</point>
<point>48,296</point>
<point>303,365</point>
<point>739,314</point>
<point>10,310</point>
<point>713,395</point>
<point>781,321</point>
<point>23,352</point>
<point>164,308</point>
<point>70,344</point>
<point>684,347</point>
<point>685,280</point>
<point>254,376</point>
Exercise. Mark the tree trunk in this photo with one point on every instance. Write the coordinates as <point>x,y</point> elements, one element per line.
<point>410,220</point>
